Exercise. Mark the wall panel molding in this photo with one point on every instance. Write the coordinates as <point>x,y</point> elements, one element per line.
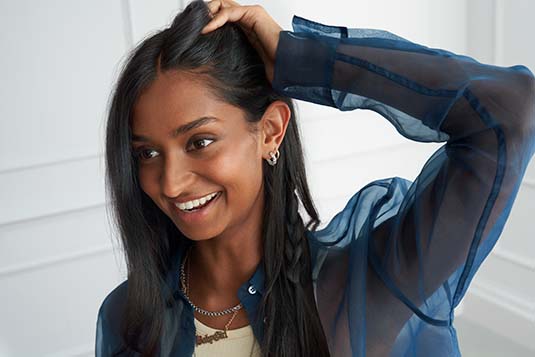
<point>507,277</point>
<point>521,261</point>
<point>86,350</point>
<point>50,238</point>
<point>49,164</point>
<point>502,298</point>
<point>51,215</point>
<point>499,28</point>
<point>51,189</point>
<point>360,153</point>
<point>49,261</point>
<point>127,23</point>
<point>501,313</point>
<point>528,182</point>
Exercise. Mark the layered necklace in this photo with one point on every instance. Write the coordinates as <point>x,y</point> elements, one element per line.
<point>218,335</point>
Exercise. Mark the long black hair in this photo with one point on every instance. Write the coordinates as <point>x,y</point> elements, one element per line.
<point>234,71</point>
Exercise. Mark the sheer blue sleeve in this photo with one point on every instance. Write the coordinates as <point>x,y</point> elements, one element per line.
<point>391,266</point>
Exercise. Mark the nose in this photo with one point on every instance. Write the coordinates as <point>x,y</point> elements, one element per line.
<point>176,176</point>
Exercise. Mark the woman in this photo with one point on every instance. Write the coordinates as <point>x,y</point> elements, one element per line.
<point>206,175</point>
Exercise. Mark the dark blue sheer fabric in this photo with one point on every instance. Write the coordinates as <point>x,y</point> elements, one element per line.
<point>395,262</point>
<point>391,267</point>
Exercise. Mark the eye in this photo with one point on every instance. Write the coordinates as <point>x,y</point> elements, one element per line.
<point>144,154</point>
<point>200,144</point>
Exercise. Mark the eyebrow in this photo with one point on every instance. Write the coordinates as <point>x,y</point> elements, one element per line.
<point>181,129</point>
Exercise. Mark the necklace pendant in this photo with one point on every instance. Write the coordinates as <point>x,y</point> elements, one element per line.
<point>216,336</point>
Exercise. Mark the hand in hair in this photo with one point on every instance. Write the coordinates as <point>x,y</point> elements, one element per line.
<point>260,28</point>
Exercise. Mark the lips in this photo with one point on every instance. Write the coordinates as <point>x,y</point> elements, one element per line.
<point>200,206</point>
<point>198,214</point>
<point>190,203</point>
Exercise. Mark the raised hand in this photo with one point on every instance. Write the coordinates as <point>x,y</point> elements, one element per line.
<point>260,28</point>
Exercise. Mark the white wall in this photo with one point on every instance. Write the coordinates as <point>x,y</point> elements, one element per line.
<point>57,261</point>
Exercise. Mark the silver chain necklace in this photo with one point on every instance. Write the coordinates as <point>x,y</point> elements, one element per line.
<point>185,287</point>
<point>197,308</point>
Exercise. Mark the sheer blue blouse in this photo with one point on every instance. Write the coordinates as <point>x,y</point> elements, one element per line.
<point>392,265</point>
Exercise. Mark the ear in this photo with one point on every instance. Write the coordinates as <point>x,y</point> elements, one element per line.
<point>274,123</point>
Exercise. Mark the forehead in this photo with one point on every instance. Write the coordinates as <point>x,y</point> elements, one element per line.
<point>175,98</point>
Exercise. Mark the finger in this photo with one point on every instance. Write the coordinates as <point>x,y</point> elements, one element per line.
<point>214,6</point>
<point>231,14</point>
<point>230,2</point>
<point>219,20</point>
<point>216,22</point>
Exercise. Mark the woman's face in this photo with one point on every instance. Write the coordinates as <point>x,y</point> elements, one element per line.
<point>219,155</point>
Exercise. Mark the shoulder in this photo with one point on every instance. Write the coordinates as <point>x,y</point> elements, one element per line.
<point>110,315</point>
<point>111,309</point>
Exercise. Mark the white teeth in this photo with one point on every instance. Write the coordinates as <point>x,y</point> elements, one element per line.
<point>195,203</point>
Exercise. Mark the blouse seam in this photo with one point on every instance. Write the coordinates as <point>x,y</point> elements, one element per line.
<point>399,79</point>
<point>493,195</point>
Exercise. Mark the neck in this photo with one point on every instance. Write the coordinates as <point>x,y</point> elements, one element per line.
<point>220,265</point>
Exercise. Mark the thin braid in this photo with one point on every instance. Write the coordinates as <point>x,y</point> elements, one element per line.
<point>296,235</point>
<point>297,255</point>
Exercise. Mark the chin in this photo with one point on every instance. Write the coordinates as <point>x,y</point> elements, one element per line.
<point>203,233</point>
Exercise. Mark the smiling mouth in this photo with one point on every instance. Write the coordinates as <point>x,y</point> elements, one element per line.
<point>194,209</point>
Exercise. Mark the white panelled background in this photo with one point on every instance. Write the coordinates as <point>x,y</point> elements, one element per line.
<point>58,254</point>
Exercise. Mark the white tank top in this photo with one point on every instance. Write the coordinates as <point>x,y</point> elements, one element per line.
<point>240,342</point>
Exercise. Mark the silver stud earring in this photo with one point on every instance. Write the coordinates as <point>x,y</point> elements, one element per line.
<point>274,156</point>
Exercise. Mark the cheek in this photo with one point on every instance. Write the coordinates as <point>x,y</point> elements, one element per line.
<point>239,170</point>
<point>148,181</point>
